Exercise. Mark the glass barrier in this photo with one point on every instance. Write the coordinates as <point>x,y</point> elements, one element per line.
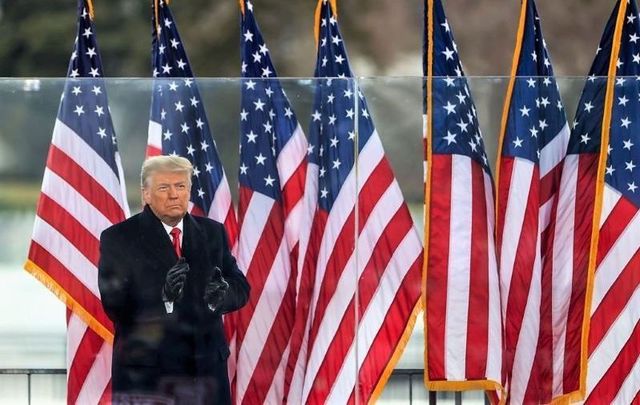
<point>32,320</point>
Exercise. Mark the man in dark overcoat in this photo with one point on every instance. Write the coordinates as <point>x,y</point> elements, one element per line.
<point>166,278</point>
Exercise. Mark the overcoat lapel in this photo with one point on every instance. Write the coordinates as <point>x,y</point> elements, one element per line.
<point>155,240</point>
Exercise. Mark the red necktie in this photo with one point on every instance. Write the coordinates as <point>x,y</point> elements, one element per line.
<point>175,237</point>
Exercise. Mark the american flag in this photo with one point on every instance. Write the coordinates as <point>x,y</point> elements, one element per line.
<point>273,164</point>
<point>606,181</point>
<point>463,322</point>
<point>178,124</point>
<point>360,287</point>
<point>542,351</point>
<point>82,194</point>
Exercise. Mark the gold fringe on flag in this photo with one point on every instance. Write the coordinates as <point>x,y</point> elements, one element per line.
<point>597,211</point>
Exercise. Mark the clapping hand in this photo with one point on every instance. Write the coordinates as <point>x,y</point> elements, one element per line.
<point>215,290</point>
<point>174,282</point>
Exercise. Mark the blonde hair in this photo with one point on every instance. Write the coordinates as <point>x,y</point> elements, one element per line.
<point>164,164</point>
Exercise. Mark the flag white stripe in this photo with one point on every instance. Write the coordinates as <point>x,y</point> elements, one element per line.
<point>155,135</point>
<point>554,152</point>
<point>76,329</point>
<point>372,320</point>
<point>544,215</point>
<point>276,391</point>
<point>263,317</point>
<point>610,198</point>
<point>379,218</point>
<point>121,197</point>
<point>98,377</point>
<point>344,204</point>
<point>292,155</point>
<point>65,139</point>
<point>616,260</point>
<point>630,387</point>
<point>459,267</point>
<point>369,158</point>
<point>494,352</point>
<point>67,254</point>
<point>256,217</point>
<point>310,204</point>
<point>527,344</point>
<point>57,188</point>
<point>614,340</point>
<point>293,223</point>
<point>562,260</point>
<point>221,203</point>
<point>519,190</point>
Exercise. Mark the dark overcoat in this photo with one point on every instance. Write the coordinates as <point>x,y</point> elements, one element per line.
<point>158,353</point>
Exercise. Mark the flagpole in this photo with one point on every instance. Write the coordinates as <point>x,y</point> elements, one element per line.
<point>597,211</point>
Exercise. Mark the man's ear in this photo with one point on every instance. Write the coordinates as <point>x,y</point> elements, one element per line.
<point>146,195</point>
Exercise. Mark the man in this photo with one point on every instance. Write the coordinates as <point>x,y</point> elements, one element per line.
<point>165,279</point>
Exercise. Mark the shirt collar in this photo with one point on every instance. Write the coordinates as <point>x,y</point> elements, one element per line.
<point>179,225</point>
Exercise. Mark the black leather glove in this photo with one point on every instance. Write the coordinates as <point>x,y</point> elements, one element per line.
<point>215,290</point>
<point>174,282</point>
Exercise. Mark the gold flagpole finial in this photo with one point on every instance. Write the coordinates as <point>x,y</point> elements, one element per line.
<point>316,26</point>
<point>90,8</point>
<point>241,4</point>
<point>155,11</point>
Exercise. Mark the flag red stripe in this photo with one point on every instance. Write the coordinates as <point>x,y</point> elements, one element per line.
<point>305,293</point>
<point>82,362</point>
<point>614,226</point>
<point>607,388</point>
<point>87,186</point>
<point>260,266</point>
<point>395,322</point>
<point>342,250</point>
<point>65,223</point>
<point>506,171</point>
<point>584,195</point>
<point>539,388</point>
<point>231,227</point>
<point>438,265</point>
<point>70,283</point>
<point>478,324</point>
<point>333,360</point>
<point>550,183</point>
<point>106,395</point>
<point>395,231</point>
<point>375,186</point>
<point>522,274</point>
<point>293,190</point>
<point>614,301</point>
<point>273,349</point>
<point>153,151</point>
<point>244,197</point>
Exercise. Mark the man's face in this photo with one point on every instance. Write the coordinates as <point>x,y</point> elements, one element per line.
<point>167,194</point>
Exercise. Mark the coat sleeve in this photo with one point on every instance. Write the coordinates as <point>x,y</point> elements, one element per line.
<point>113,278</point>
<point>239,288</point>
